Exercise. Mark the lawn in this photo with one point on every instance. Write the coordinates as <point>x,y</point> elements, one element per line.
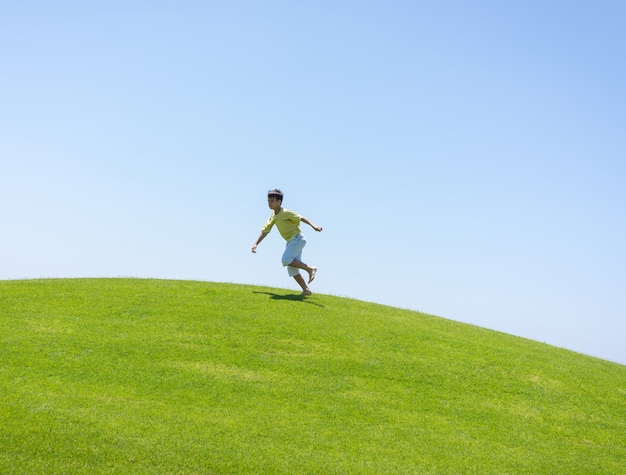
<point>153,376</point>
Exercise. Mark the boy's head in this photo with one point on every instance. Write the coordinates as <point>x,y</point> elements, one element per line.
<point>276,194</point>
<point>275,200</point>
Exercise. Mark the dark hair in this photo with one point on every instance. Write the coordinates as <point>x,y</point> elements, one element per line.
<point>275,193</point>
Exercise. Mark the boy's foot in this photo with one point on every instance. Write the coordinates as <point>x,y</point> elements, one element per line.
<point>306,293</point>
<point>312,274</point>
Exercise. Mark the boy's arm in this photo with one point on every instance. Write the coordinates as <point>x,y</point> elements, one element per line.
<point>258,241</point>
<point>307,221</point>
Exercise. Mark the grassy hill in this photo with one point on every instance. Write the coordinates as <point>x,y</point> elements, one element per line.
<point>152,376</point>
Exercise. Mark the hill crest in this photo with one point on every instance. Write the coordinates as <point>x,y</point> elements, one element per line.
<point>231,377</point>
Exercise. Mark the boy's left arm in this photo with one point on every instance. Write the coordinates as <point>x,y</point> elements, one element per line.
<point>307,221</point>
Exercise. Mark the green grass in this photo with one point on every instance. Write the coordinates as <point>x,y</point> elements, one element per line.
<point>152,376</point>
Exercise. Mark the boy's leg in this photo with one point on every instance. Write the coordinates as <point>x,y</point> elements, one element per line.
<point>301,265</point>
<point>302,283</point>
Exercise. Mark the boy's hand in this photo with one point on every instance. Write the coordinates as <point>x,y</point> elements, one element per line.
<point>254,248</point>
<point>310,223</point>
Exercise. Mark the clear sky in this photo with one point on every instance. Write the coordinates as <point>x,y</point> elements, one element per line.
<point>466,159</point>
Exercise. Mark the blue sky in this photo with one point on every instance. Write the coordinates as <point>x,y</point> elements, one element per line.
<point>466,159</point>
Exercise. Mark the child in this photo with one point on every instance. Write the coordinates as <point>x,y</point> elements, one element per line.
<point>288,224</point>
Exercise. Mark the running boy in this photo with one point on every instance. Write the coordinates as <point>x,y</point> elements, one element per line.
<point>288,224</point>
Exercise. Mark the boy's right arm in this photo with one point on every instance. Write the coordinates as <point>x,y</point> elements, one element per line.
<point>258,241</point>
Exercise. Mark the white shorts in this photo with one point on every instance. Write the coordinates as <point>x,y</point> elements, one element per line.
<point>293,250</point>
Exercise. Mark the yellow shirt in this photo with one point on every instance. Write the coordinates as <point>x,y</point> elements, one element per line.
<point>287,222</point>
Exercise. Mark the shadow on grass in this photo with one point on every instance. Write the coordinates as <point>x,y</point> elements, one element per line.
<point>292,297</point>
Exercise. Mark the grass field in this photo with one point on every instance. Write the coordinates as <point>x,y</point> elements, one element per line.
<point>152,376</point>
